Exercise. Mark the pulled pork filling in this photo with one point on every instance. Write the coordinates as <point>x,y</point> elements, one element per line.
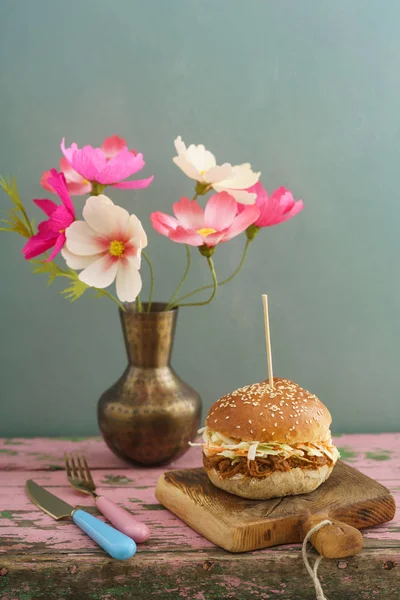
<point>261,467</point>
<point>231,456</point>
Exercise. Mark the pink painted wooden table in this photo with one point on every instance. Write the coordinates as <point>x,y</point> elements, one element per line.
<point>44,559</point>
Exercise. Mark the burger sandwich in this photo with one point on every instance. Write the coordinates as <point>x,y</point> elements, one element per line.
<point>263,442</point>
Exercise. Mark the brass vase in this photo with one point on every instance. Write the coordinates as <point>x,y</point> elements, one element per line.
<point>149,415</point>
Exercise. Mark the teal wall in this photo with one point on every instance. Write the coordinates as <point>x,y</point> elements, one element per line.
<point>309,92</point>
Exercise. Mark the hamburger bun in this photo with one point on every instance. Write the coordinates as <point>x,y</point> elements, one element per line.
<point>280,483</point>
<point>262,442</point>
<point>287,414</point>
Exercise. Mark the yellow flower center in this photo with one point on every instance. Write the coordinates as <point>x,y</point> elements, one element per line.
<point>116,248</point>
<point>206,231</point>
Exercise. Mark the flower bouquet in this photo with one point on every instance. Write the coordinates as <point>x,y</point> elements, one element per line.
<point>105,247</point>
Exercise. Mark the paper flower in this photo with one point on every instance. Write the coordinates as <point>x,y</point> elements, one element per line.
<point>219,222</point>
<point>76,184</point>
<point>51,233</point>
<point>108,165</point>
<point>200,164</point>
<point>107,245</point>
<point>277,208</point>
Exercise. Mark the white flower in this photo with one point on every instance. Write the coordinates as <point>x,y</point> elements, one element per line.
<point>107,245</point>
<point>200,164</point>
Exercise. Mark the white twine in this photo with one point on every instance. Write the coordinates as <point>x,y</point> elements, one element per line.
<point>313,570</point>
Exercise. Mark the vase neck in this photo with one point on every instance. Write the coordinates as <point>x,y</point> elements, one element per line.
<point>149,336</point>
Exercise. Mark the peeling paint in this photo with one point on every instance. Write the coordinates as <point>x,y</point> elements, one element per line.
<point>73,439</point>
<point>154,507</point>
<point>116,480</point>
<point>73,569</point>
<point>6,514</point>
<point>12,442</point>
<point>347,454</point>
<point>378,455</point>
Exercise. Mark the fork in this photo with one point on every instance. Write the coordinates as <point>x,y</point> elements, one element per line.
<point>81,479</point>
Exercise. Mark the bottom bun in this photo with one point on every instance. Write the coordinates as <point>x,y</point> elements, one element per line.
<point>279,483</point>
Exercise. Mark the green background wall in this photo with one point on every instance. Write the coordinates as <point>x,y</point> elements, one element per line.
<point>309,92</point>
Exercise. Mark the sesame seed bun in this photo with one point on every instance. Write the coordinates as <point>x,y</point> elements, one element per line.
<point>285,414</point>
<point>287,483</point>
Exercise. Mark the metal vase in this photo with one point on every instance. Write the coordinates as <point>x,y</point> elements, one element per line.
<point>149,415</point>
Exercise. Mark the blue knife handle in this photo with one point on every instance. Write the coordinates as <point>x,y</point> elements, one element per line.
<point>116,544</point>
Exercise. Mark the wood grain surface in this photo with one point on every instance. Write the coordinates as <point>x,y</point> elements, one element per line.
<point>239,525</point>
<point>41,559</point>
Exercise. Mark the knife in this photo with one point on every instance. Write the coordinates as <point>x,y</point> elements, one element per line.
<point>116,544</point>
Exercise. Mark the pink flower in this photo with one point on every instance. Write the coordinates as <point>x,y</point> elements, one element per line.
<point>51,233</point>
<point>107,245</point>
<point>219,222</point>
<point>76,184</point>
<point>279,207</point>
<point>107,165</point>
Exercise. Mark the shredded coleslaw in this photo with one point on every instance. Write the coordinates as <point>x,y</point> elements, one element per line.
<point>217,444</point>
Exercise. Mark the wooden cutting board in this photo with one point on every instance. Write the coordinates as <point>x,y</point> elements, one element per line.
<point>348,498</point>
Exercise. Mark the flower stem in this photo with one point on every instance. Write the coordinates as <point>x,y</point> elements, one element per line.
<point>188,265</point>
<point>147,259</point>
<point>97,188</point>
<point>214,286</point>
<point>139,305</point>
<point>224,281</point>
<point>182,281</point>
<point>113,298</point>
<point>27,221</point>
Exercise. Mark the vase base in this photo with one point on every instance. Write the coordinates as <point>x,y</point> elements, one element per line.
<point>152,454</point>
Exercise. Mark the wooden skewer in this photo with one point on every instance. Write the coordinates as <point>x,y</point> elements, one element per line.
<point>268,340</point>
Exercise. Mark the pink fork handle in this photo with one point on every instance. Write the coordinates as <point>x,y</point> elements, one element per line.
<point>122,519</point>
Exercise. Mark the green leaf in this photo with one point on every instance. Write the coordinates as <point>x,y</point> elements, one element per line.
<point>77,287</point>
<point>11,189</point>
<point>16,218</point>
<point>15,224</point>
<point>48,268</point>
<point>75,291</point>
